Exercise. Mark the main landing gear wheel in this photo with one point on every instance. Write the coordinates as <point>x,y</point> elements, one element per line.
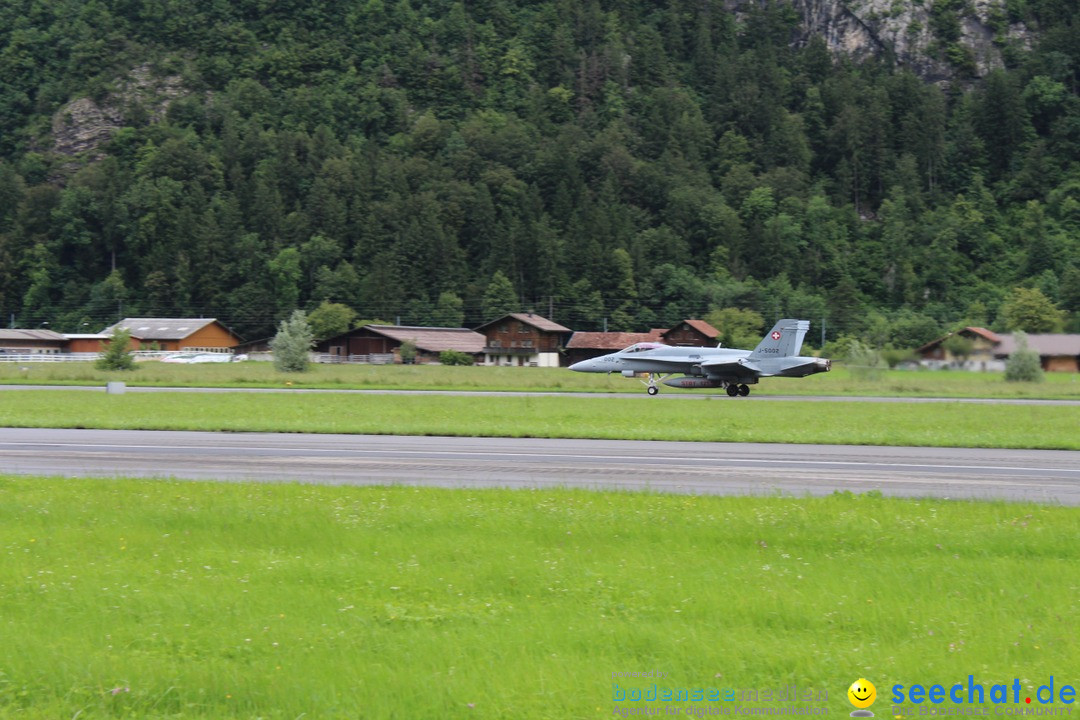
<point>653,390</point>
<point>744,390</point>
<point>732,390</point>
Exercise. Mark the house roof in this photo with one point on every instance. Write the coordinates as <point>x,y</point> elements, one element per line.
<point>538,322</point>
<point>610,340</point>
<point>17,334</point>
<point>704,328</point>
<point>160,328</point>
<point>1043,343</point>
<point>433,339</point>
<point>981,332</point>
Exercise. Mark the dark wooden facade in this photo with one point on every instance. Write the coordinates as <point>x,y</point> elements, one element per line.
<point>692,333</point>
<point>513,334</point>
<point>388,339</point>
<point>361,341</point>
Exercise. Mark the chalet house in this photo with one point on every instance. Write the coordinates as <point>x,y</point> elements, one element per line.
<point>589,345</point>
<point>31,342</point>
<point>174,334</point>
<point>523,339</point>
<point>385,341</point>
<point>935,355</point>
<point>1057,352</point>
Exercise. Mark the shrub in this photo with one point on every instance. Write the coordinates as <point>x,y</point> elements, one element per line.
<point>864,361</point>
<point>117,355</point>
<point>330,319</point>
<point>896,356</point>
<point>455,357</point>
<point>408,352</point>
<point>1023,365</point>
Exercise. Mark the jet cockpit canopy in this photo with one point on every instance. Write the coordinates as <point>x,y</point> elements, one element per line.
<point>643,346</point>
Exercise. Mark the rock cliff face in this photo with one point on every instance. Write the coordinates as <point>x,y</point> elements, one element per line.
<point>938,40</point>
<point>905,31</point>
<point>82,126</point>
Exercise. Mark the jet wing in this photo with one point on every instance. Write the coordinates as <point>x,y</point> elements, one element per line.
<point>724,367</point>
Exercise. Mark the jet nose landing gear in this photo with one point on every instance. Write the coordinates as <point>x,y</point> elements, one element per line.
<point>651,383</point>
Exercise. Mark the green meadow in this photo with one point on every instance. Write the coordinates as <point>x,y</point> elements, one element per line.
<point>641,418</point>
<point>840,381</point>
<point>164,599</point>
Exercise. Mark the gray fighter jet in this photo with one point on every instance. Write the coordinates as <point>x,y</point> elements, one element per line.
<point>777,355</point>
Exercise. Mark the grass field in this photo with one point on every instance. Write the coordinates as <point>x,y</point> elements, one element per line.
<point>157,599</point>
<point>432,377</point>
<point>643,418</point>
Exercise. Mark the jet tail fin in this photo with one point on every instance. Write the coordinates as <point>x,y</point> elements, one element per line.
<point>784,340</point>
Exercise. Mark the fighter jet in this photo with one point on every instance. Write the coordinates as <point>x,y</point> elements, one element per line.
<point>777,355</point>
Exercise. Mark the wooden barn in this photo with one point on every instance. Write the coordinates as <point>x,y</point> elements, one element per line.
<point>31,342</point>
<point>375,341</point>
<point>175,333</point>
<point>1058,352</point>
<point>92,342</point>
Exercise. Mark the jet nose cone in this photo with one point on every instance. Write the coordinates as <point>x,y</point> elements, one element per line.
<point>582,366</point>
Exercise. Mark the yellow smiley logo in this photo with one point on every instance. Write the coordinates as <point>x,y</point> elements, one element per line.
<point>862,693</point>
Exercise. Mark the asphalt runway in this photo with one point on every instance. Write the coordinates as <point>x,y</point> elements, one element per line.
<point>709,468</point>
<point>718,394</point>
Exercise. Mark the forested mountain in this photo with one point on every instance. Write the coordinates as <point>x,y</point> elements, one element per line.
<point>630,162</point>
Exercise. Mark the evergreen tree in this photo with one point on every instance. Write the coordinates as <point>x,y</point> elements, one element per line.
<point>117,355</point>
<point>500,298</point>
<point>449,311</point>
<point>292,344</point>
<point>383,154</point>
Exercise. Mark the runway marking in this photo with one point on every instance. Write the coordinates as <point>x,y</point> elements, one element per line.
<point>620,458</point>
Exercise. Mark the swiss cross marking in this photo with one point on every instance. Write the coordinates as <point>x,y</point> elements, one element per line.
<point>776,335</point>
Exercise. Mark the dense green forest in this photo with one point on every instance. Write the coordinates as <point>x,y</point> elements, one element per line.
<point>630,163</point>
